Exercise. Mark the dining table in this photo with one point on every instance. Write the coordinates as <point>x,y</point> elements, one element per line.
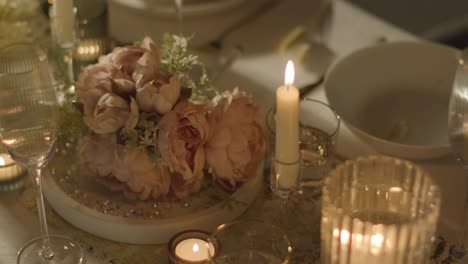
<point>259,71</point>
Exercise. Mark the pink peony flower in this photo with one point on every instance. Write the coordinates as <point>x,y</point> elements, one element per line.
<point>122,84</point>
<point>96,86</point>
<point>119,169</point>
<point>96,154</point>
<point>181,135</point>
<point>144,178</point>
<point>236,143</point>
<point>109,115</point>
<point>139,63</point>
<point>147,66</point>
<point>93,82</point>
<point>156,96</point>
<point>183,188</point>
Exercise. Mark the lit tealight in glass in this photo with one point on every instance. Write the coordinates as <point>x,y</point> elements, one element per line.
<point>9,170</point>
<point>10,173</point>
<point>190,246</point>
<point>192,249</point>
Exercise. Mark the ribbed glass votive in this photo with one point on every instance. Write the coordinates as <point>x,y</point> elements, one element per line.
<point>380,210</point>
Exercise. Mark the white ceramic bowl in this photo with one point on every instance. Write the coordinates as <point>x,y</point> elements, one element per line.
<point>131,20</point>
<point>395,96</point>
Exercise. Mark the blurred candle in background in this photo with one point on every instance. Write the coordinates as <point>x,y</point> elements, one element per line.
<point>9,170</point>
<point>64,20</point>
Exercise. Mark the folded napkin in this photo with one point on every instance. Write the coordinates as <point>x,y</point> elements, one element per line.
<point>267,32</point>
<point>267,43</point>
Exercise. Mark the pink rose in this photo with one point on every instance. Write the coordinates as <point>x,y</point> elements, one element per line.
<point>156,96</point>
<point>181,135</point>
<point>236,143</point>
<point>96,154</point>
<point>144,179</point>
<point>109,115</point>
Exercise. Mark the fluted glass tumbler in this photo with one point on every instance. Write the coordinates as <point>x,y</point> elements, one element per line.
<point>378,209</point>
<point>28,130</point>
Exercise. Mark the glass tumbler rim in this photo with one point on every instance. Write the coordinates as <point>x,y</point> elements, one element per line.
<point>41,55</point>
<point>434,189</point>
<point>272,109</point>
<point>225,226</point>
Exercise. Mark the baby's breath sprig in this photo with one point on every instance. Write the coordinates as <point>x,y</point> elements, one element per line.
<point>69,115</point>
<point>142,135</point>
<point>175,59</point>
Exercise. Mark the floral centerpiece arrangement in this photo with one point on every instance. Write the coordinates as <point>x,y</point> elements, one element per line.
<point>152,131</point>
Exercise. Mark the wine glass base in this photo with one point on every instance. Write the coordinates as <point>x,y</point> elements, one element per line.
<point>66,251</point>
<point>311,189</point>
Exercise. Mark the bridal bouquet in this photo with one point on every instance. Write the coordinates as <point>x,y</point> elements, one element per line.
<point>154,131</point>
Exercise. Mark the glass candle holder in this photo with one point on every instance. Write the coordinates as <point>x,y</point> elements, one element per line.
<point>11,174</point>
<point>284,176</point>
<point>318,132</point>
<point>191,247</point>
<point>250,241</point>
<point>378,209</point>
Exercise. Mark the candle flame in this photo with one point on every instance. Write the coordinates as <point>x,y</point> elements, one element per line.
<point>2,161</point>
<point>396,189</point>
<point>377,244</point>
<point>289,73</point>
<point>196,248</point>
<point>377,240</point>
<point>345,236</point>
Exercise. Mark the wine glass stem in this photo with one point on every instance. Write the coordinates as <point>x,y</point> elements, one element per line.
<point>227,62</point>
<point>179,5</point>
<point>465,218</point>
<point>46,252</point>
<point>68,57</point>
<point>284,211</point>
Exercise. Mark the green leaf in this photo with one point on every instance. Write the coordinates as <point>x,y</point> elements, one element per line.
<point>130,137</point>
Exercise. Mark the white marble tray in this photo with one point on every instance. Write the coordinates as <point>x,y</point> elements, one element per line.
<point>89,206</point>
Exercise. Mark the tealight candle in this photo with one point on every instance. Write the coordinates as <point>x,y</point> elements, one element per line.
<point>364,248</point>
<point>193,249</point>
<point>9,170</point>
<point>190,247</point>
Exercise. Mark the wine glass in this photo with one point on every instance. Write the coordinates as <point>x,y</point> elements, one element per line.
<point>28,129</point>
<point>458,128</point>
